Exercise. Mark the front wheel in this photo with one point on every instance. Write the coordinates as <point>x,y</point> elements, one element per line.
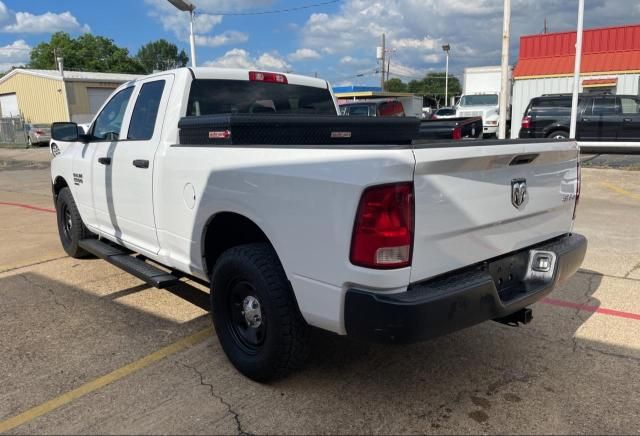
<point>70,226</point>
<point>255,313</point>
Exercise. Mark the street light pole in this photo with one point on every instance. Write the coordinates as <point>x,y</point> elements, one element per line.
<point>187,6</point>
<point>192,39</point>
<point>446,49</point>
<point>504,79</point>
<point>576,71</point>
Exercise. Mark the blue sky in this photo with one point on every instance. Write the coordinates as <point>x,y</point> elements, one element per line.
<point>336,40</point>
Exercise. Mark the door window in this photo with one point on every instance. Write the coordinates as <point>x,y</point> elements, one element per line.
<point>145,112</point>
<point>605,106</point>
<point>108,123</point>
<point>629,106</point>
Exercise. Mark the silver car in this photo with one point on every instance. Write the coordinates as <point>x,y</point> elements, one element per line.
<point>37,133</point>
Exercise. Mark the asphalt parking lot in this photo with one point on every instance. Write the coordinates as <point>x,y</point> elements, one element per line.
<point>87,348</point>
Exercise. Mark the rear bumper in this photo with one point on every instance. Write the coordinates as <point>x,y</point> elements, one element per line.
<point>457,300</point>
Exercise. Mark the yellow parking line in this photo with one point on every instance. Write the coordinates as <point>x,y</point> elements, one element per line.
<point>103,381</point>
<point>619,190</point>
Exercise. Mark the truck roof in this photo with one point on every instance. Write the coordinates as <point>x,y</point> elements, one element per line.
<point>240,74</point>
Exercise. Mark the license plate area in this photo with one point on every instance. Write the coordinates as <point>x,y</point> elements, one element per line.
<point>509,274</point>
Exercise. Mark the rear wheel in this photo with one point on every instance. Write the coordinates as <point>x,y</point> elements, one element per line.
<point>70,226</point>
<point>255,313</point>
<point>558,134</point>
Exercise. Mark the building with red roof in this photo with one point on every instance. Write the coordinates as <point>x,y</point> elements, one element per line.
<point>610,63</point>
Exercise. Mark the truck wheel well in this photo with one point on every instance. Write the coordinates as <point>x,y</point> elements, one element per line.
<point>58,185</point>
<point>226,230</point>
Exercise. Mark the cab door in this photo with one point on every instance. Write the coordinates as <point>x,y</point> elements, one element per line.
<point>602,121</point>
<point>630,129</point>
<point>133,162</point>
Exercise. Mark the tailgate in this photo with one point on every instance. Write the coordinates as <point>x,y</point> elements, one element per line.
<point>469,207</point>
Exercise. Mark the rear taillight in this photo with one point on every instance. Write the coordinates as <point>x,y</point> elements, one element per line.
<point>457,133</point>
<point>383,230</point>
<point>434,117</point>
<point>578,183</point>
<point>258,76</point>
<point>526,122</point>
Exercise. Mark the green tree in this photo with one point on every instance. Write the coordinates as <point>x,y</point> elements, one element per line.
<point>396,85</point>
<point>433,85</point>
<point>87,52</point>
<point>161,55</point>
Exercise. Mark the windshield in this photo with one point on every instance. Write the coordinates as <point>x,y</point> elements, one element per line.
<point>210,97</point>
<point>447,111</point>
<point>358,111</point>
<point>479,100</point>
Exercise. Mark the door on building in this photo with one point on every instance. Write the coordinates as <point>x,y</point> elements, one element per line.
<point>9,106</point>
<point>601,120</point>
<point>630,128</point>
<point>97,96</point>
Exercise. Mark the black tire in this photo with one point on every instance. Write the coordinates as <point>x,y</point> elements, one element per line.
<point>279,344</point>
<point>70,226</point>
<point>558,134</point>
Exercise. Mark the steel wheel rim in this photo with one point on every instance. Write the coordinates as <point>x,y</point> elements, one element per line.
<point>67,222</point>
<point>250,338</point>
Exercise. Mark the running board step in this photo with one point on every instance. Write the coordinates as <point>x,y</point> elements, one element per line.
<point>121,258</point>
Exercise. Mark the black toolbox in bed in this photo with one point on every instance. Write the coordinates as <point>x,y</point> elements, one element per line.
<point>251,129</point>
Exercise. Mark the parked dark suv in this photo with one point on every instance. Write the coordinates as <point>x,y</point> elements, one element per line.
<point>601,117</point>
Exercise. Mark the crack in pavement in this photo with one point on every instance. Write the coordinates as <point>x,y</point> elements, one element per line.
<point>236,416</point>
<point>32,264</point>
<point>635,268</point>
<point>39,286</point>
<point>611,276</point>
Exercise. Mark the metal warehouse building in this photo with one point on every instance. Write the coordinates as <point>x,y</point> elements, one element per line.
<point>45,96</point>
<point>610,63</point>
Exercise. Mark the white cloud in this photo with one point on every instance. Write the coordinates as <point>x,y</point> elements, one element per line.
<point>303,54</point>
<point>472,27</point>
<point>15,54</point>
<point>49,22</point>
<point>239,58</point>
<point>205,21</point>
<point>350,60</point>
<point>225,38</point>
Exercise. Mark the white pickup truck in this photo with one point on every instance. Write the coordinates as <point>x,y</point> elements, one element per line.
<point>297,217</point>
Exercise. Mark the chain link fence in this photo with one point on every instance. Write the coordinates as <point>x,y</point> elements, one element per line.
<point>12,131</point>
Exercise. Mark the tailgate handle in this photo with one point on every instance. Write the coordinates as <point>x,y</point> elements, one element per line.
<point>523,159</point>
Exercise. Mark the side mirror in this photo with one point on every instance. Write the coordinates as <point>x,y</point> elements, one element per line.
<point>66,132</point>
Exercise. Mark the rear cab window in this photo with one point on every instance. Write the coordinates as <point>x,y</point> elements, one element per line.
<point>215,96</point>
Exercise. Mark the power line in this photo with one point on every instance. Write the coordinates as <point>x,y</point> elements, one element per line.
<point>277,11</point>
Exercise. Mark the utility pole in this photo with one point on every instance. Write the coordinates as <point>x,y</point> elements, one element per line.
<point>546,29</point>
<point>576,71</point>
<point>446,49</point>
<point>383,62</point>
<point>504,76</point>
